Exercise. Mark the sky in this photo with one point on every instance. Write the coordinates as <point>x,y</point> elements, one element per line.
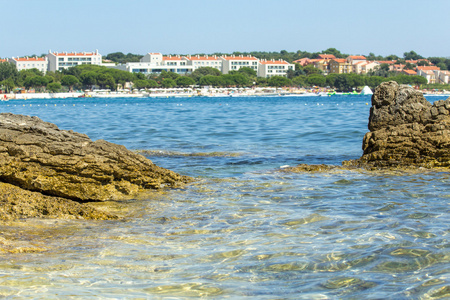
<point>357,27</point>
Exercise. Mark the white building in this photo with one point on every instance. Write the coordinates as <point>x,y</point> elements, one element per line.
<point>64,60</point>
<point>269,68</point>
<point>234,63</point>
<point>442,76</point>
<point>156,63</point>
<point>26,63</point>
<point>428,74</point>
<point>198,61</point>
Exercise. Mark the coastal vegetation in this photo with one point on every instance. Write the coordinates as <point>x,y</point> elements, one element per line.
<point>99,77</point>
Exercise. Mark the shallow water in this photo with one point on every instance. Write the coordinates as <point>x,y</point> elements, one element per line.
<point>245,229</point>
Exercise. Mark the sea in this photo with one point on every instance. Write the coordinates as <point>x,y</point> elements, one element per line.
<point>246,228</point>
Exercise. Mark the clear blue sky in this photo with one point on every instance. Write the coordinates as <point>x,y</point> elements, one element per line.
<point>383,27</point>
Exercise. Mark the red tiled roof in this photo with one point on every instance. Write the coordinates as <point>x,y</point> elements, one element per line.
<point>2,60</point>
<point>274,62</point>
<point>357,57</point>
<point>340,60</point>
<point>389,62</point>
<point>227,57</point>
<point>327,56</point>
<point>171,58</point>
<point>29,59</point>
<point>410,72</point>
<point>74,53</point>
<point>301,59</point>
<point>202,57</point>
<point>428,68</point>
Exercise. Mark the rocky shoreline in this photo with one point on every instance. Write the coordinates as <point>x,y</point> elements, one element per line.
<point>406,130</point>
<point>46,172</point>
<point>407,133</point>
<point>53,173</point>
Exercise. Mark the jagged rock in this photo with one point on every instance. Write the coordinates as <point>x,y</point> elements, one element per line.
<point>406,130</point>
<point>38,156</point>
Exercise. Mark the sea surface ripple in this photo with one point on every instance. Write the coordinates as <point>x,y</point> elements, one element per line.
<point>245,228</point>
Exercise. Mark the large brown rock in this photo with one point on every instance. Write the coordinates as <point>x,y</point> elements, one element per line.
<point>406,129</point>
<point>38,156</point>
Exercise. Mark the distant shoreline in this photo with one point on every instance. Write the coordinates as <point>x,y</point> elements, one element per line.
<point>186,93</point>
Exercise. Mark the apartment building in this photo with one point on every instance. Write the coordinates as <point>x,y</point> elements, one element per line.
<point>26,63</point>
<point>198,61</point>
<point>340,66</point>
<point>156,63</point>
<point>234,63</point>
<point>269,68</point>
<point>353,59</point>
<point>442,77</point>
<point>428,74</point>
<point>64,60</point>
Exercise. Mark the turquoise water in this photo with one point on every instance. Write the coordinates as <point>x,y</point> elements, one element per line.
<point>244,229</point>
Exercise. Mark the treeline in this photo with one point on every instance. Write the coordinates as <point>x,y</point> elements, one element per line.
<point>99,77</point>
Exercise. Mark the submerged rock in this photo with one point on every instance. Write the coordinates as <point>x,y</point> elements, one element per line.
<point>37,156</point>
<point>405,130</point>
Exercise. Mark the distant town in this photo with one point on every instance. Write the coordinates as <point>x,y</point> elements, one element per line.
<point>55,71</point>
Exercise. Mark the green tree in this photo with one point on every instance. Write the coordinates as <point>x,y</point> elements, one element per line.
<point>442,66</point>
<point>70,81</point>
<point>345,82</point>
<point>374,81</point>
<point>240,79</point>
<point>334,52</point>
<point>106,81</point>
<point>392,57</point>
<point>279,81</point>
<point>423,63</point>
<point>152,83</point>
<point>299,80</point>
<point>36,82</point>
<point>310,69</point>
<point>184,81</point>
<point>211,80</point>
<point>249,72</point>
<point>409,66</point>
<point>203,71</point>
<point>171,75</point>
<point>330,79</point>
<point>8,84</point>
<point>140,84</point>
<point>262,81</point>
<point>168,83</point>
<point>121,58</point>
<point>411,55</point>
<point>54,87</point>
<point>88,78</point>
<point>316,79</point>
<point>8,70</point>
<point>418,80</point>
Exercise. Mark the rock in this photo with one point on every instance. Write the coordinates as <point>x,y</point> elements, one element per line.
<point>37,156</point>
<point>17,203</point>
<point>405,130</point>
<point>305,168</point>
